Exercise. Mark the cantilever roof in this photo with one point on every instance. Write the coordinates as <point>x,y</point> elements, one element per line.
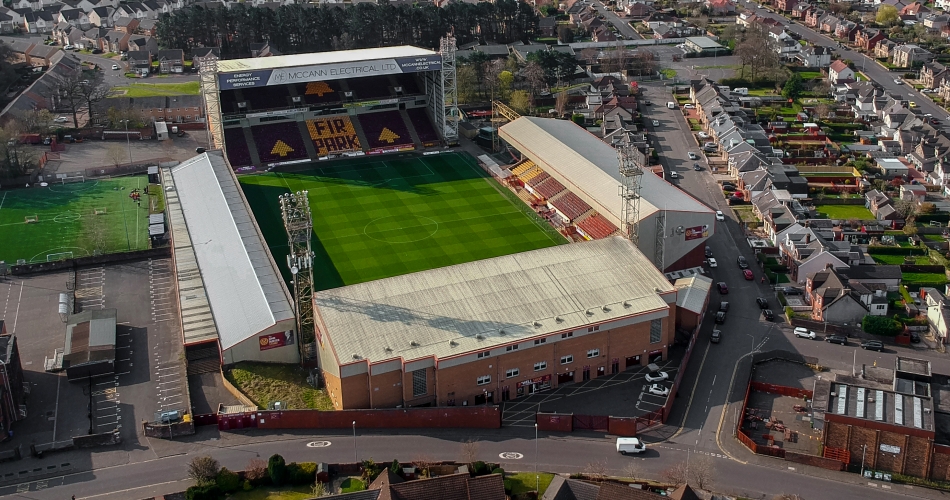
<point>467,307</point>
<point>243,288</point>
<point>589,167</point>
<point>334,57</point>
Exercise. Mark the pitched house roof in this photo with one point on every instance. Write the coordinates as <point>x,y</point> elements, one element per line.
<point>838,66</point>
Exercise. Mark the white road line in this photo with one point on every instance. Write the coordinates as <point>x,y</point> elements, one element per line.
<point>17,315</point>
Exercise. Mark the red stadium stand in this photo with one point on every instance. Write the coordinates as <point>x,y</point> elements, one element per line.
<point>333,135</point>
<point>320,92</point>
<point>596,226</point>
<point>238,153</point>
<point>279,142</point>
<point>571,206</point>
<point>385,130</point>
<point>420,122</point>
<point>538,179</point>
<point>549,188</point>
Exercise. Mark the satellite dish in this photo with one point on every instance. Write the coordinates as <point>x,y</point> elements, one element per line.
<point>294,270</point>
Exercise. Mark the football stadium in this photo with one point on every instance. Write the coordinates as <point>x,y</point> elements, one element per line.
<point>438,280</point>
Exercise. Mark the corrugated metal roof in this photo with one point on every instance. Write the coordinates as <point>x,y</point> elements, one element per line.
<point>589,167</point>
<point>244,290</point>
<point>692,292</point>
<point>477,305</point>
<point>340,56</point>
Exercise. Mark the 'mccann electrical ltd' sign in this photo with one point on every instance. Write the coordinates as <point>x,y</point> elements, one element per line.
<point>323,72</point>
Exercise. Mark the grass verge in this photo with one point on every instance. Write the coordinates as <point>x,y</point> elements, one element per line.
<point>351,484</point>
<point>270,493</point>
<point>265,383</point>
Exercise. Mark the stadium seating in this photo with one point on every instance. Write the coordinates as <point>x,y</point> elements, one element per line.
<point>571,206</point>
<point>370,87</point>
<point>549,188</point>
<point>319,92</point>
<point>596,226</point>
<point>537,179</point>
<point>278,142</point>
<point>521,168</point>
<point>229,100</point>
<point>531,173</point>
<point>333,135</point>
<point>420,121</point>
<point>385,129</point>
<point>238,153</point>
<point>266,98</point>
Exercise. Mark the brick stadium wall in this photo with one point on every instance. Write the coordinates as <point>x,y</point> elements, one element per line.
<point>914,459</point>
<point>482,417</point>
<point>553,422</point>
<point>940,463</point>
<point>814,461</point>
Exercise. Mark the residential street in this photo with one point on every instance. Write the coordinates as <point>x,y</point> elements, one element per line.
<point>621,23</point>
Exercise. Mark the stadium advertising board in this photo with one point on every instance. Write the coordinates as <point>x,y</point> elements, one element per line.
<point>697,232</point>
<point>322,72</point>
<point>274,340</point>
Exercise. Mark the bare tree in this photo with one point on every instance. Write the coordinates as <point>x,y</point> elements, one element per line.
<point>470,451</point>
<point>16,158</point>
<point>560,103</point>
<point>676,474</point>
<point>632,471</point>
<point>203,469</point>
<point>318,490</point>
<point>35,120</point>
<point>255,470</point>
<point>92,91</point>
<point>116,154</point>
<point>822,110</point>
<point>590,55</point>
<point>906,208</point>
<point>491,71</point>
<point>534,75</point>
<point>596,471</point>
<point>701,472</point>
<point>423,463</point>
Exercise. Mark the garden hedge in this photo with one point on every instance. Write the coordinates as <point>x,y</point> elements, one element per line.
<point>888,250</point>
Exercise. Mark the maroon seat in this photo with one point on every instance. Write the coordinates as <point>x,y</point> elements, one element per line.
<point>385,129</point>
<point>422,124</point>
<point>236,147</point>
<point>279,142</point>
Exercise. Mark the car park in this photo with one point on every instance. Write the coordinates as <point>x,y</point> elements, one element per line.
<point>804,333</point>
<point>630,445</point>
<point>723,289</point>
<point>762,302</point>
<point>712,262</point>
<point>657,376</point>
<point>658,390</point>
<point>720,317</point>
<point>837,339</point>
<point>768,314</point>
<point>747,274</point>
<point>872,345</point>
<point>719,216</point>
<point>716,336</point>
<point>692,155</point>
<point>743,264</point>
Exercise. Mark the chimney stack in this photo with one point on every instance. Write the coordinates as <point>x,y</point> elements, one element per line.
<point>808,238</point>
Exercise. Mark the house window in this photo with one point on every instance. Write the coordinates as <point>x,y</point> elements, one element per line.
<point>419,383</point>
<point>593,353</point>
<point>484,354</point>
<point>566,335</point>
<point>656,331</point>
<point>512,373</point>
<point>540,341</point>
<point>512,347</point>
<point>593,329</point>
<point>188,117</point>
<point>567,359</point>
<point>484,379</point>
<point>540,365</point>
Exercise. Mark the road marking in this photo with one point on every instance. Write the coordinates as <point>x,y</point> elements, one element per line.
<point>692,394</point>
<point>510,455</point>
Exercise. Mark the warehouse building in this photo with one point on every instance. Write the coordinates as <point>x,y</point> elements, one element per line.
<point>496,329</point>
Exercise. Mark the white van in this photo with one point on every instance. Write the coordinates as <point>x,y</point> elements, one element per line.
<point>671,105</point>
<point>741,90</point>
<point>630,445</point>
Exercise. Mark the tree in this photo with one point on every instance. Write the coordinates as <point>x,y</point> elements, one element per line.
<point>8,58</point>
<point>596,471</point>
<point>395,467</point>
<point>927,208</point>
<point>589,55</point>
<point>756,51</point>
<point>906,208</point>
<point>533,75</point>
<point>467,81</point>
<point>277,469</point>
<point>701,472</point>
<point>675,474</point>
<point>632,471</point>
<point>881,325</point>
<point>35,120</point>
<point>92,91</point>
<point>822,110</point>
<point>560,102</point>
<point>16,158</point>
<point>470,451</point>
<point>793,87</point>
<point>505,79</point>
<point>203,470</point>
<point>910,226</point>
<point>116,154</point>
<point>423,463</point>
<point>887,15</point>
<point>318,490</point>
<point>565,33</point>
<point>520,101</point>
<point>839,8</point>
<point>255,470</point>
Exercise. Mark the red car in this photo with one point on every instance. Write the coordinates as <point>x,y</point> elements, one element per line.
<point>748,274</point>
<point>723,289</point>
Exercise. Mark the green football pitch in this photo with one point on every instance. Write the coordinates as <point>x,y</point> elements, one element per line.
<point>375,218</point>
<point>78,219</point>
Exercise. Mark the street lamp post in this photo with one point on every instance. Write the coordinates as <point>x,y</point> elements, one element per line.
<point>356,454</point>
<point>863,453</point>
<point>128,142</point>
<point>537,477</point>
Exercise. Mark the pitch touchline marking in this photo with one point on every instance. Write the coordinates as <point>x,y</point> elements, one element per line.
<point>4,198</point>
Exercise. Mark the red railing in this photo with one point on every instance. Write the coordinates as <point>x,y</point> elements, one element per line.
<point>838,454</point>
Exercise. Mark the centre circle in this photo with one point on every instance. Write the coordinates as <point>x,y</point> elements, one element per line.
<point>66,217</point>
<point>401,228</point>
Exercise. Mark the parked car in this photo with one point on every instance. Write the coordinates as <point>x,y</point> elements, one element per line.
<point>724,306</point>
<point>804,333</point>
<point>697,167</point>
<point>712,262</point>
<point>96,51</point>
<point>115,67</point>
<point>630,445</point>
<point>692,155</point>
<point>689,106</point>
<point>874,345</point>
<point>657,376</point>
<point>720,317</point>
<point>723,289</point>
<point>762,302</point>
<point>769,315</point>
<point>674,175</point>
<point>708,251</point>
<point>68,47</point>
<point>716,336</point>
<point>702,135</point>
<point>658,390</point>
<point>656,123</point>
<point>747,274</point>
<point>898,81</point>
<point>790,290</point>
<point>837,339</point>
<point>719,216</point>
<point>743,264</point>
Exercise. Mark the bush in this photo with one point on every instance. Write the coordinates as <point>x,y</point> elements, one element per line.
<point>498,470</point>
<point>578,119</point>
<point>480,468</point>
<point>255,471</point>
<point>881,325</point>
<point>228,481</point>
<point>277,470</point>
<point>396,468</point>
<point>302,473</point>
<point>247,486</point>
<point>203,492</point>
<point>789,312</point>
<point>203,470</point>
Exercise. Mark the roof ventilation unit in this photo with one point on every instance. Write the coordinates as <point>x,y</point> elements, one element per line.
<point>558,319</point>
<point>590,313</point>
<point>537,324</point>
<point>413,343</point>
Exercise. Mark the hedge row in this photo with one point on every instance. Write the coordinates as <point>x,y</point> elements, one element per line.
<point>887,250</point>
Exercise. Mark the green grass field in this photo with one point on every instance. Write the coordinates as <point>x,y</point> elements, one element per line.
<point>66,221</point>
<point>846,212</point>
<point>157,89</point>
<point>375,219</point>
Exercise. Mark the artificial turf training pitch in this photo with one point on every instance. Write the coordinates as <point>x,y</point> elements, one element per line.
<point>73,220</point>
<point>375,218</point>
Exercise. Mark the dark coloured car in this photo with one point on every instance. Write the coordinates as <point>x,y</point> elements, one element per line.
<point>720,317</point>
<point>837,339</point>
<point>915,337</point>
<point>728,189</point>
<point>708,251</point>
<point>723,289</point>
<point>724,306</point>
<point>874,345</point>
<point>792,291</point>
<point>736,200</point>
<point>769,315</point>
<point>716,336</point>
<point>696,167</point>
<point>743,264</point>
<point>762,302</point>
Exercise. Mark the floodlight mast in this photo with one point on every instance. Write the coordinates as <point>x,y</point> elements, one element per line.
<point>295,212</point>
<point>630,161</point>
